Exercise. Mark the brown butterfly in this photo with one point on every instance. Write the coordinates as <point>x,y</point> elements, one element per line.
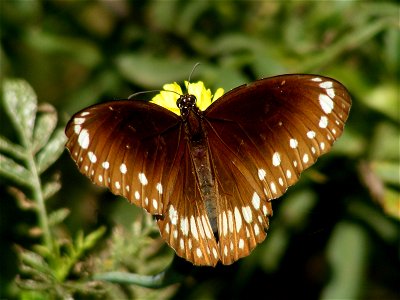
<point>208,176</point>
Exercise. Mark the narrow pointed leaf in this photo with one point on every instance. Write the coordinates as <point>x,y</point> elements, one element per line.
<point>58,216</point>
<point>14,171</point>
<point>8,147</point>
<point>93,237</point>
<point>50,188</point>
<point>45,123</point>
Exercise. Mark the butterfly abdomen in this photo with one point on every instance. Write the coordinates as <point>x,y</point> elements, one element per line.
<point>202,168</point>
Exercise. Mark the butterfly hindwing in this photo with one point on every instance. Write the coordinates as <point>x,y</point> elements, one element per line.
<point>185,225</point>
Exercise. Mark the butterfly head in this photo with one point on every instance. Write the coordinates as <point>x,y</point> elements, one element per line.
<point>186,103</point>
<point>172,97</point>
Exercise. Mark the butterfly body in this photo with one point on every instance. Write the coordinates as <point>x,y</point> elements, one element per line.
<point>209,175</point>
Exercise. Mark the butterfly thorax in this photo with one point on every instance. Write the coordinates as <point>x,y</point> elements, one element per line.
<point>200,156</point>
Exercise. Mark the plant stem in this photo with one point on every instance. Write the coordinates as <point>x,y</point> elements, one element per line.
<point>41,208</point>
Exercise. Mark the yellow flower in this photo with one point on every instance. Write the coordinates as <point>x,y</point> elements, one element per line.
<point>172,91</point>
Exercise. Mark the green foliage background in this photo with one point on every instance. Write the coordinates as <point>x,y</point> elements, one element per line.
<point>333,235</point>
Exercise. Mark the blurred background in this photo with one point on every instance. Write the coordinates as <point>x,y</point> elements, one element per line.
<point>334,235</point>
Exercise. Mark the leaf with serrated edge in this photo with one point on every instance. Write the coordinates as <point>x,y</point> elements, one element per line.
<point>46,121</point>
<point>20,102</point>
<point>14,171</point>
<point>51,152</point>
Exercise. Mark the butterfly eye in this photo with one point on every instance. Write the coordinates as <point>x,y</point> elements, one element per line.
<point>209,179</point>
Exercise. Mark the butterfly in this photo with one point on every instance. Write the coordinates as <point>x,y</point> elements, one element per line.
<point>208,176</point>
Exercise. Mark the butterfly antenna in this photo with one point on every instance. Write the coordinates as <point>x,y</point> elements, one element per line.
<point>151,91</point>
<point>190,76</point>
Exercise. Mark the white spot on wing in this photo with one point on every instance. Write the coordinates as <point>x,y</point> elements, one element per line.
<point>230,221</point>
<point>92,157</point>
<point>143,179</point>
<point>105,165</point>
<point>123,168</point>
<point>326,84</point>
<point>137,195</point>
<point>326,103</point>
<point>185,226</point>
<point>173,215</point>
<point>238,219</point>
<point>256,200</point>
<point>256,229</point>
<point>305,158</point>
<point>246,211</point>
<point>331,93</point>
<point>224,224</point>
<point>273,187</point>
<point>198,252</point>
<point>159,188</point>
<point>206,226</point>
<point>261,174</point>
<point>193,228</point>
<point>117,185</point>
<point>215,253</point>
<point>323,122</point>
<point>79,121</point>
<point>83,139</point>
<point>276,159</point>
<point>77,129</point>
<point>311,134</point>
<point>293,143</point>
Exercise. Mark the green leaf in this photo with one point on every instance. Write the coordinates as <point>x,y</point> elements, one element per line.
<point>58,216</point>
<point>50,188</point>
<point>12,149</point>
<point>92,238</point>
<point>51,152</point>
<point>14,171</point>
<point>46,121</point>
<point>384,98</point>
<point>81,50</point>
<point>387,171</point>
<point>20,103</point>
<point>35,261</point>
<point>347,255</point>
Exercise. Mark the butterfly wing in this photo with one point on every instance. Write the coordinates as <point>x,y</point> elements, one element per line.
<point>185,225</point>
<point>125,146</point>
<point>261,137</point>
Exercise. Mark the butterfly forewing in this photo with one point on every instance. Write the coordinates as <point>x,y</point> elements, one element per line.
<point>126,146</point>
<point>279,126</point>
